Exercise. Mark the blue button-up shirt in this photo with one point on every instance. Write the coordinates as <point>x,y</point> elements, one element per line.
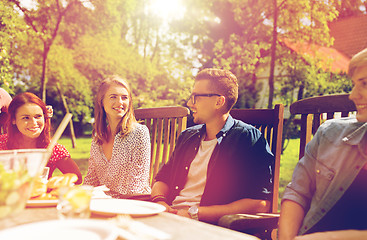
<point>333,158</point>
<point>239,167</point>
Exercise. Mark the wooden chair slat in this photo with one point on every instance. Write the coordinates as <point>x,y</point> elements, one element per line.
<point>173,135</point>
<point>164,124</point>
<point>158,152</point>
<point>269,122</point>
<point>345,114</point>
<point>166,139</point>
<point>314,107</point>
<point>153,140</point>
<point>330,115</point>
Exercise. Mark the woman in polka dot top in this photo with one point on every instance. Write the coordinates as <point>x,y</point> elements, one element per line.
<point>28,127</point>
<point>120,150</point>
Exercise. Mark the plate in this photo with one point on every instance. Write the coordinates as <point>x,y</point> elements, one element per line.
<point>42,203</point>
<point>135,208</point>
<point>63,229</point>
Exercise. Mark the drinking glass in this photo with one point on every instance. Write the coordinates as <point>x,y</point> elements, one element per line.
<point>18,169</point>
<point>74,202</point>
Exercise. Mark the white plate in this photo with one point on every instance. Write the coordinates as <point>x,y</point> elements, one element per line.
<point>42,203</point>
<point>62,229</point>
<point>135,208</point>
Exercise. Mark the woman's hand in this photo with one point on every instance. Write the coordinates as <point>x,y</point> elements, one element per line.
<point>50,111</point>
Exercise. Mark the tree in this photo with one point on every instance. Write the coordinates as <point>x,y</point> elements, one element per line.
<point>11,29</point>
<point>348,8</point>
<point>45,21</point>
<point>237,35</point>
<point>300,22</point>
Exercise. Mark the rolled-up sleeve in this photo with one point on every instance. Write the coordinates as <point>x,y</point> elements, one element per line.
<point>303,184</point>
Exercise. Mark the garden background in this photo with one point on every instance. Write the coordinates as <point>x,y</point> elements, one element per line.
<point>61,49</point>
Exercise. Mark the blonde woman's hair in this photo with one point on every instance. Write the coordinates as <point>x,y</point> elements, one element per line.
<point>358,60</point>
<point>127,122</point>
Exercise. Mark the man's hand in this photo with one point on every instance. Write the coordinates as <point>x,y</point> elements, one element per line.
<point>168,208</point>
<point>183,213</point>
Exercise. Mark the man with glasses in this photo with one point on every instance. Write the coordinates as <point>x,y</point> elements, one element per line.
<point>220,166</point>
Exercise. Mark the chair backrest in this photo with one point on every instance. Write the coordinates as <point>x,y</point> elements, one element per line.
<point>164,124</point>
<point>312,110</point>
<point>270,123</point>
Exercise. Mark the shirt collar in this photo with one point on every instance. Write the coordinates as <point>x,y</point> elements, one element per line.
<point>356,136</point>
<point>227,126</point>
<point>223,132</point>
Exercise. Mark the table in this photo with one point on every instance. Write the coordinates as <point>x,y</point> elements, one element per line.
<point>178,227</point>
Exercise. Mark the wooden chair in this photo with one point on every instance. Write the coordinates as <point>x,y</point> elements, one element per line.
<point>164,124</point>
<point>270,123</point>
<point>312,110</point>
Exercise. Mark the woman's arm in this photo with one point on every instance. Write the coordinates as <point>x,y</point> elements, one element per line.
<point>137,179</point>
<point>91,177</point>
<point>67,165</point>
<point>291,218</point>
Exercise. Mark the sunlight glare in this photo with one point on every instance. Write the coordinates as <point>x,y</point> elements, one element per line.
<point>167,9</point>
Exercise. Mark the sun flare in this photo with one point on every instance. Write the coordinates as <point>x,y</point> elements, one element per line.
<point>167,9</point>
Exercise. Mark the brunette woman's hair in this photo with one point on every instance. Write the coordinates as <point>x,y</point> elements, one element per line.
<point>127,122</point>
<point>13,133</point>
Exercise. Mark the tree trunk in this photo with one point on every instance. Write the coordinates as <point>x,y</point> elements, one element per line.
<point>273,55</point>
<point>72,133</point>
<point>46,49</point>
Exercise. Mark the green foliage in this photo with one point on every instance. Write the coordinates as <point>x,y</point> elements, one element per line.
<point>103,37</point>
<point>349,8</point>
<point>305,79</point>
<point>11,29</point>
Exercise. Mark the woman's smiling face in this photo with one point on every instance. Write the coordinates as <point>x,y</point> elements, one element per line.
<point>359,92</point>
<point>30,120</point>
<point>116,102</point>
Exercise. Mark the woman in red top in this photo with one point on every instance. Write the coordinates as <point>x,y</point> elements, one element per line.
<point>29,127</point>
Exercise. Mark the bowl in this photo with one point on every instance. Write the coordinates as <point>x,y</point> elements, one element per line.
<point>18,169</point>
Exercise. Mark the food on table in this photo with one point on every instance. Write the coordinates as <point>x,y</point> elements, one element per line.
<point>50,190</point>
<point>68,179</point>
<point>39,187</point>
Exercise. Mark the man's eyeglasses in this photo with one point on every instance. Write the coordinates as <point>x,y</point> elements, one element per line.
<point>193,96</point>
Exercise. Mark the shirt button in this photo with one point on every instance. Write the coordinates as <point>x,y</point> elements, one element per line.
<point>176,187</point>
<point>186,168</point>
<point>196,148</point>
<point>224,134</point>
<point>318,171</point>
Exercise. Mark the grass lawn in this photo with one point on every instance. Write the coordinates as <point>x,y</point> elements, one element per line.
<point>80,154</point>
<point>288,160</point>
